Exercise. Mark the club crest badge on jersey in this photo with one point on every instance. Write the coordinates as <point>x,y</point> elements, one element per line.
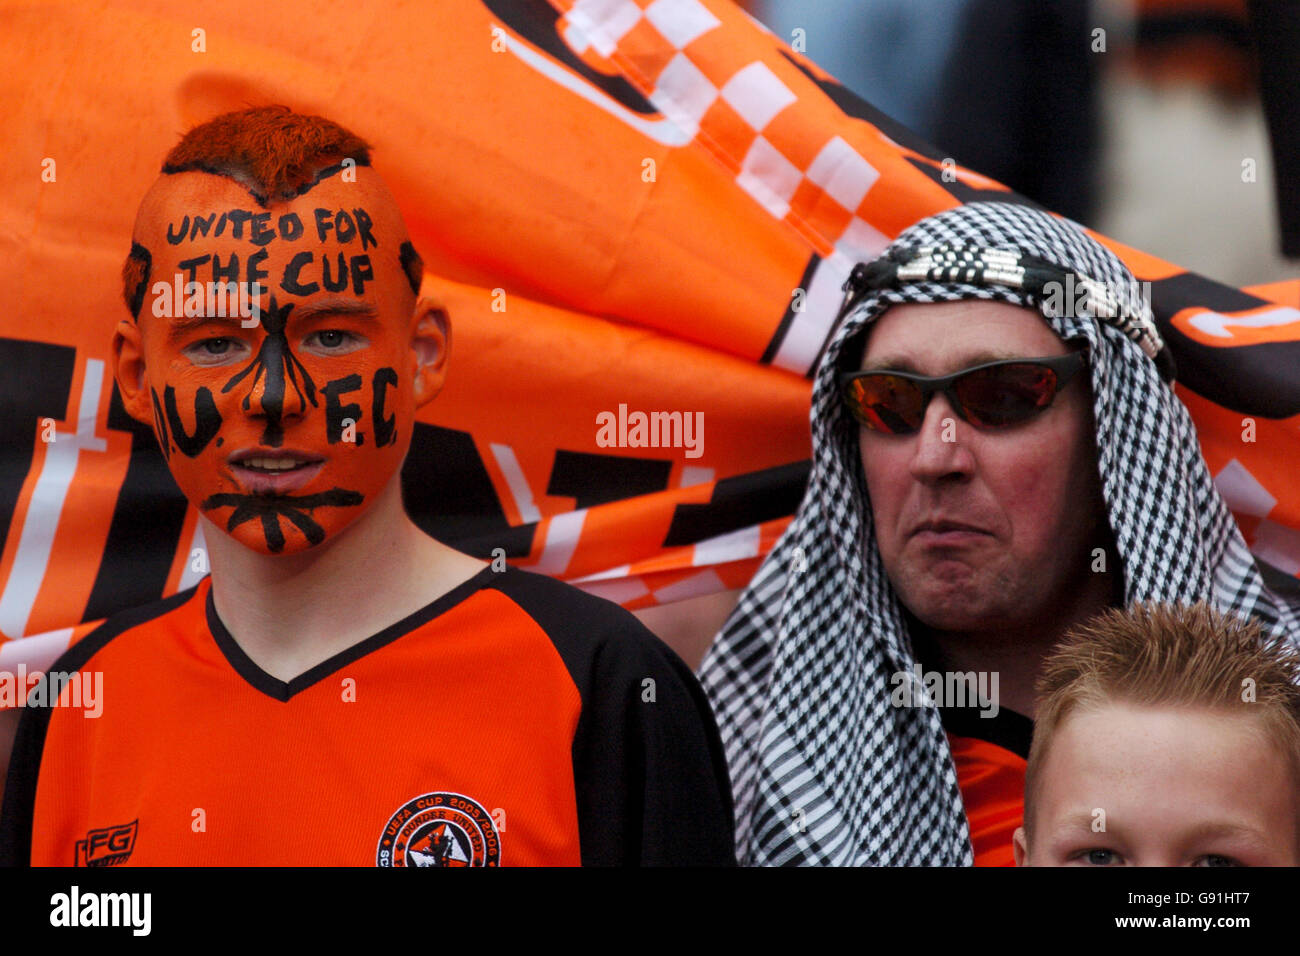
<point>440,829</point>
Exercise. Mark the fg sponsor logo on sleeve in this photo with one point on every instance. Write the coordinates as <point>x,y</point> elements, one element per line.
<point>107,846</point>
<point>440,829</point>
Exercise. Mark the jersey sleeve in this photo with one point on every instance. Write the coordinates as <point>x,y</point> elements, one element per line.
<point>651,774</point>
<point>16,815</point>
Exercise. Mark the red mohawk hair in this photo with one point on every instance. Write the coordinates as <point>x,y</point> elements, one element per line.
<point>271,150</point>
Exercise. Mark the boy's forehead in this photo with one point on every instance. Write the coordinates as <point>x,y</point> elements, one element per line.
<point>1166,777</point>
<point>340,238</point>
<point>1155,749</point>
<point>174,196</point>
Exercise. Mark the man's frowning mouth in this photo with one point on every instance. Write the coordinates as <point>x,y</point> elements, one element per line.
<point>945,526</point>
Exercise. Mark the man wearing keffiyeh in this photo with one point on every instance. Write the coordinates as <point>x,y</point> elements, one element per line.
<point>980,542</point>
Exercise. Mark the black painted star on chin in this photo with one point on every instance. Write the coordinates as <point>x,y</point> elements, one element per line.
<point>277,362</point>
<point>270,508</point>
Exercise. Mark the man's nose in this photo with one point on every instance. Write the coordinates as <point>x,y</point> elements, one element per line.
<point>941,449</point>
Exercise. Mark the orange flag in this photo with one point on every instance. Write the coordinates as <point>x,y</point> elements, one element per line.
<point>638,214</point>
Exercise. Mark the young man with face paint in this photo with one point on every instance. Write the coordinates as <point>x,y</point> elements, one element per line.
<point>342,689</point>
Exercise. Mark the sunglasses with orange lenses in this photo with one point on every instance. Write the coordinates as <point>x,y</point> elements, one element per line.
<point>993,395</point>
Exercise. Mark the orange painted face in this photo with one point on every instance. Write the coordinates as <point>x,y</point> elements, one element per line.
<point>281,416</point>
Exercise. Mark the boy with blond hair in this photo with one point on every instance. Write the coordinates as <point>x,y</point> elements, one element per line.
<point>1165,736</point>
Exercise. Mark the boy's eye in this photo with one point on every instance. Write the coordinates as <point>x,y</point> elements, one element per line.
<point>214,351</point>
<point>334,340</point>
<point>1213,859</point>
<point>1102,857</point>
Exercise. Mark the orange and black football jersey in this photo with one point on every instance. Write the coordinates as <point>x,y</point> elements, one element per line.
<point>990,754</point>
<point>513,721</point>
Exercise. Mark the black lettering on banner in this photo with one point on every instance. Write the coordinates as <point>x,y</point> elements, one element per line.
<point>221,225</point>
<point>385,428</point>
<point>336,413</point>
<point>1256,379</point>
<point>592,479</point>
<point>444,465</point>
<point>145,531</point>
<point>537,24</point>
<point>38,380</point>
<point>740,501</point>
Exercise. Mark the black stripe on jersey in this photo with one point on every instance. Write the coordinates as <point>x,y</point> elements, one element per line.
<point>29,744</point>
<point>1006,729</point>
<point>281,690</point>
<point>650,776</point>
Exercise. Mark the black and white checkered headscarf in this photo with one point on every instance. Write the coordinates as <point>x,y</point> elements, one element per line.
<point>825,771</point>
